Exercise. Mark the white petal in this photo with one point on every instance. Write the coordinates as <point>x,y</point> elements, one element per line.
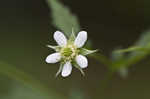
<point>81,39</point>
<point>53,58</point>
<point>66,71</point>
<point>82,61</point>
<point>60,38</point>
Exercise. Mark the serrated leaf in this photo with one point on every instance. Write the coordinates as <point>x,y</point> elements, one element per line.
<point>62,17</point>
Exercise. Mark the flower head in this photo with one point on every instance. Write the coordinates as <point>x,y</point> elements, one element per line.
<point>69,52</point>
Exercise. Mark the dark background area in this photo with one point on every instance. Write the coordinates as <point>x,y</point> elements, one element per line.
<point>25,29</point>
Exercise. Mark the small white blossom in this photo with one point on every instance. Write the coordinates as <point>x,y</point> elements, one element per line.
<point>69,52</point>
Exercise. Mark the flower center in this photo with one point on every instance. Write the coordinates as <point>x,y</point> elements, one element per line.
<point>69,52</point>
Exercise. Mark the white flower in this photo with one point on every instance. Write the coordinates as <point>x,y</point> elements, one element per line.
<point>69,52</point>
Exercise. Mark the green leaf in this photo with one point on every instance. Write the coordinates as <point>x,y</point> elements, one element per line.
<point>62,17</point>
<point>139,51</point>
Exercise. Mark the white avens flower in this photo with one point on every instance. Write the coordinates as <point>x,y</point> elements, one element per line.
<point>69,52</point>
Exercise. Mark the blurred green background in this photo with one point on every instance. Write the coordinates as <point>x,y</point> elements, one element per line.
<point>26,28</point>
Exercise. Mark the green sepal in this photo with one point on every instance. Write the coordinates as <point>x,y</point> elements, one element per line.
<point>72,37</point>
<point>79,68</point>
<point>85,52</point>
<point>56,48</point>
<point>59,70</point>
